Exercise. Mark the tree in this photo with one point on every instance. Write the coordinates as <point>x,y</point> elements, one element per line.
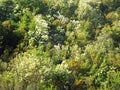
<point>6,9</point>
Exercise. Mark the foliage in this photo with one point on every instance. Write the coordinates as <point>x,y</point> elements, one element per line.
<point>59,44</point>
<point>6,8</point>
<point>40,34</point>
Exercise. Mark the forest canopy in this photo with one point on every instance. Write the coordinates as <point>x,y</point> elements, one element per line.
<point>59,44</point>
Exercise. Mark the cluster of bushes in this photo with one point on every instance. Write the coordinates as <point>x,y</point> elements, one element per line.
<point>59,45</point>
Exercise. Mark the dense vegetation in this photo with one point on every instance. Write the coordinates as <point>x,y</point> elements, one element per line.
<point>59,44</point>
